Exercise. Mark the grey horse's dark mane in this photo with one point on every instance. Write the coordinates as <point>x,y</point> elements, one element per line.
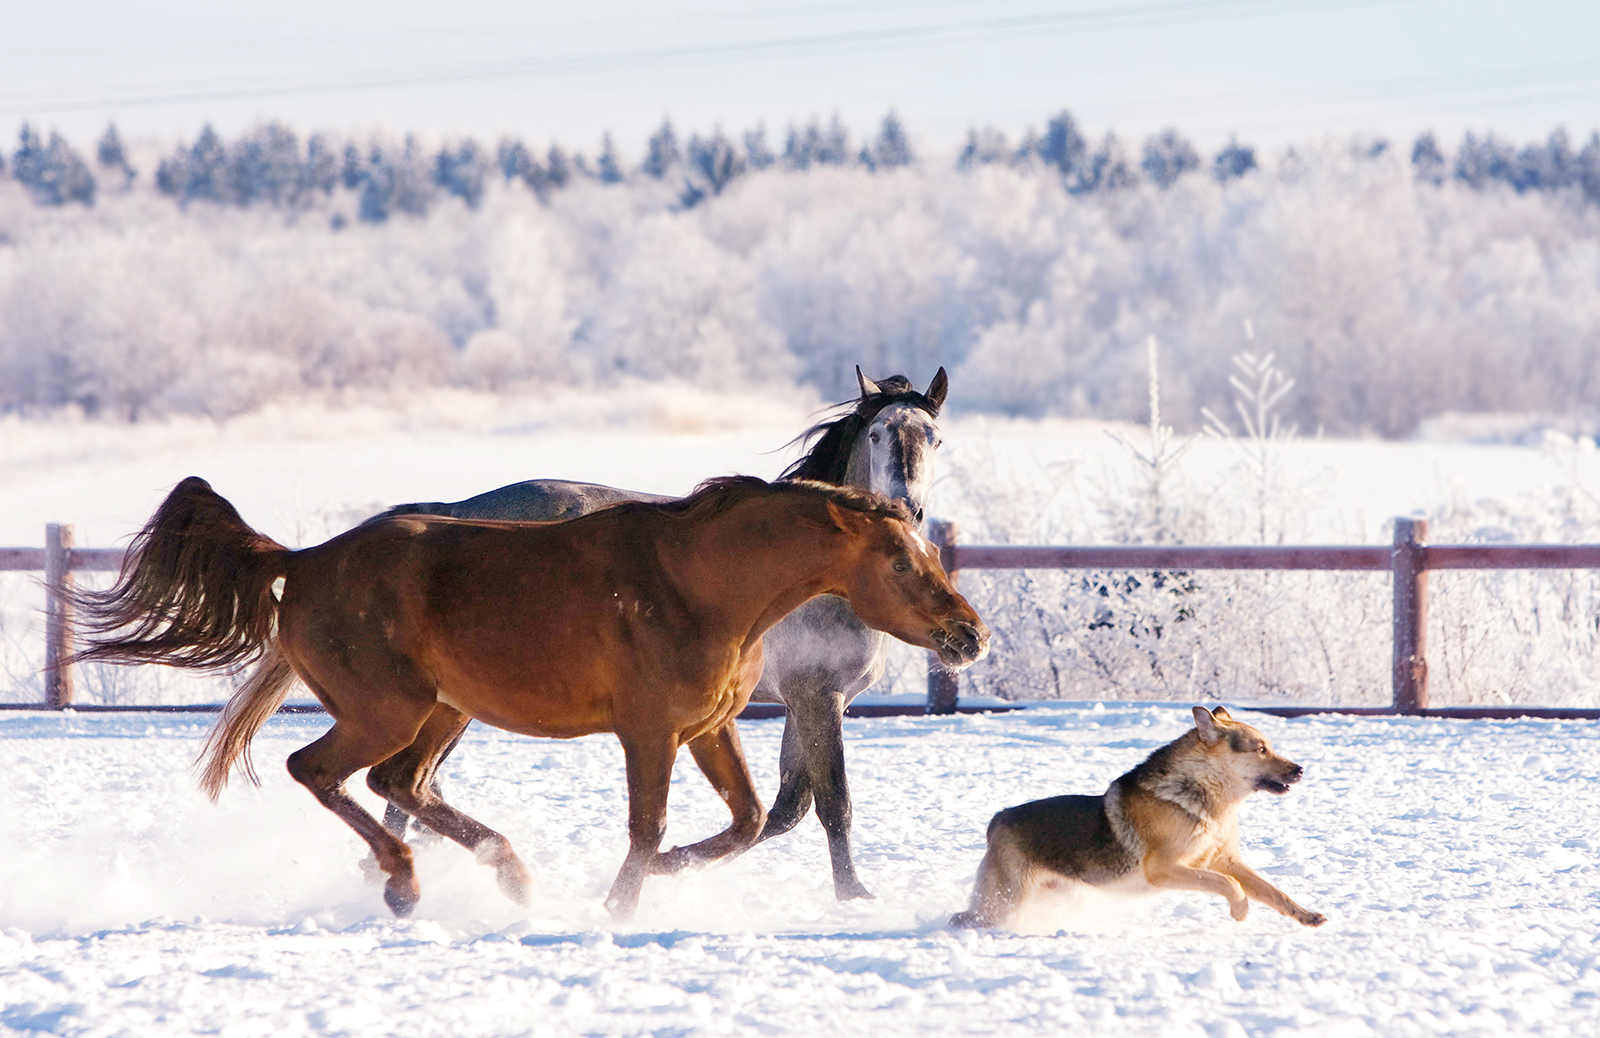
<point>723,492</point>
<point>829,457</point>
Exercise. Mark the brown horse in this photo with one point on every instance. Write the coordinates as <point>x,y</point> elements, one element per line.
<point>643,619</point>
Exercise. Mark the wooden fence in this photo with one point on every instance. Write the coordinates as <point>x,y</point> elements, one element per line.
<point>1409,560</point>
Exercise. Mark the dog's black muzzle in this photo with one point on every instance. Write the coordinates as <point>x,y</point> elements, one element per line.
<point>1280,784</point>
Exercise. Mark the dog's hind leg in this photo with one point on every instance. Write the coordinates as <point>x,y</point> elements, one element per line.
<point>1256,888</point>
<point>998,892</point>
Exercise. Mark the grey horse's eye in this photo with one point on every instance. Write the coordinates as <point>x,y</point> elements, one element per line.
<point>877,437</point>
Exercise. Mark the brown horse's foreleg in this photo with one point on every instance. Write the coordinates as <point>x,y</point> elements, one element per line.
<point>408,780</point>
<point>721,758</point>
<point>649,776</point>
<point>322,767</point>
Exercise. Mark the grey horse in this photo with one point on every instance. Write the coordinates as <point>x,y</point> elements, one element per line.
<point>819,657</point>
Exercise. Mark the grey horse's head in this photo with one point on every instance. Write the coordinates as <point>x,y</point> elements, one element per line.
<point>885,442</point>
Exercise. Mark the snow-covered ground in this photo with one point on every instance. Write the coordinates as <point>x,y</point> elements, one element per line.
<point>1456,862</point>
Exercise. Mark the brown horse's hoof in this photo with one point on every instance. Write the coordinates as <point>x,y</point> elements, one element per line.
<point>401,894</point>
<point>512,875</point>
<point>675,860</point>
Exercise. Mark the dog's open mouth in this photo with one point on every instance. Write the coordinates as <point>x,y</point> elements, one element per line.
<point>1272,785</point>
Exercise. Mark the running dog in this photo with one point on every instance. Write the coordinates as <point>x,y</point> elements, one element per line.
<point>1170,823</point>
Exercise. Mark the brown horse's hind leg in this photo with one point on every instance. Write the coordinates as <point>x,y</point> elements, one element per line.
<point>322,767</point>
<point>408,781</point>
<point>396,820</point>
<point>721,758</point>
<point>649,763</point>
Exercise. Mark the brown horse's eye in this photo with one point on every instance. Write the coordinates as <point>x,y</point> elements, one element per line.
<point>902,565</point>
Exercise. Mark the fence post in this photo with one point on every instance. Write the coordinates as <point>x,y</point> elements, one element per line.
<point>944,686</point>
<point>1410,616</point>
<point>58,616</point>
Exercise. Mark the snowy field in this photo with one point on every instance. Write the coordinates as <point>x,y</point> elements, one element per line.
<point>1455,860</point>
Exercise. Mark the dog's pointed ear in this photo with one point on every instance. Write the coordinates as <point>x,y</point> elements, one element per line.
<point>1206,725</point>
<point>938,388</point>
<point>868,387</point>
<point>1221,714</point>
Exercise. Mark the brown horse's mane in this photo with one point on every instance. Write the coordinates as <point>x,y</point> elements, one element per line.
<point>720,493</point>
<point>828,459</point>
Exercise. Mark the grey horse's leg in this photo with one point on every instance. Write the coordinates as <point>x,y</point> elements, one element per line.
<point>794,784</point>
<point>818,723</point>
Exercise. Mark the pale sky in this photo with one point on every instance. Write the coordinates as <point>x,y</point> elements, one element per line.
<point>1269,71</point>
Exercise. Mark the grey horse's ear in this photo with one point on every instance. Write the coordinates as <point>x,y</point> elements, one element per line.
<point>868,387</point>
<point>938,387</point>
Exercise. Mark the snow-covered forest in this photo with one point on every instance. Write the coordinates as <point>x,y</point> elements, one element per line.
<point>1395,282</point>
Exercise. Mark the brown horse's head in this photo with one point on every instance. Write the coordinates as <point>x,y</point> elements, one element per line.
<point>897,585</point>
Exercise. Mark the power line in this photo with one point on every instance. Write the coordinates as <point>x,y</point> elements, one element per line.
<point>817,44</point>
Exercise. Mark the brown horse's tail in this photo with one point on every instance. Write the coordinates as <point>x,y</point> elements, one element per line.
<point>196,591</point>
<point>247,710</point>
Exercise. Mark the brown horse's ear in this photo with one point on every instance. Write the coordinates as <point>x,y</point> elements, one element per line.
<point>844,519</point>
<point>1205,723</point>
<point>938,387</point>
<point>868,387</point>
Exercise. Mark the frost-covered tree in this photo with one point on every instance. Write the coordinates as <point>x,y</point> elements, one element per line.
<point>1063,148</point>
<point>661,153</point>
<point>112,157</point>
<point>195,172</point>
<point>815,145</point>
<point>1233,162</point>
<point>1550,166</point>
<point>1108,169</point>
<point>1481,162</point>
<point>1168,156</point>
<point>1587,174</point>
<point>262,166</point>
<point>320,171</point>
<point>461,171</point>
<point>396,182</point>
<point>557,167</point>
<point>984,147</point>
<point>53,173</point>
<point>713,165</point>
<point>757,155</point>
<point>890,149</point>
<point>608,167</point>
<point>1427,161</point>
<point>352,167</point>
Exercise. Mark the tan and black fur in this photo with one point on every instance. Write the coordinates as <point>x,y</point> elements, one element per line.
<point>1169,824</point>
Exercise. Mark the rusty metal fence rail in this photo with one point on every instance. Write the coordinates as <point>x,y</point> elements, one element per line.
<point>1409,560</point>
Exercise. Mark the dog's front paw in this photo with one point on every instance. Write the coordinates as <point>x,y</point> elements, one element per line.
<point>1312,918</point>
<point>1239,909</point>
